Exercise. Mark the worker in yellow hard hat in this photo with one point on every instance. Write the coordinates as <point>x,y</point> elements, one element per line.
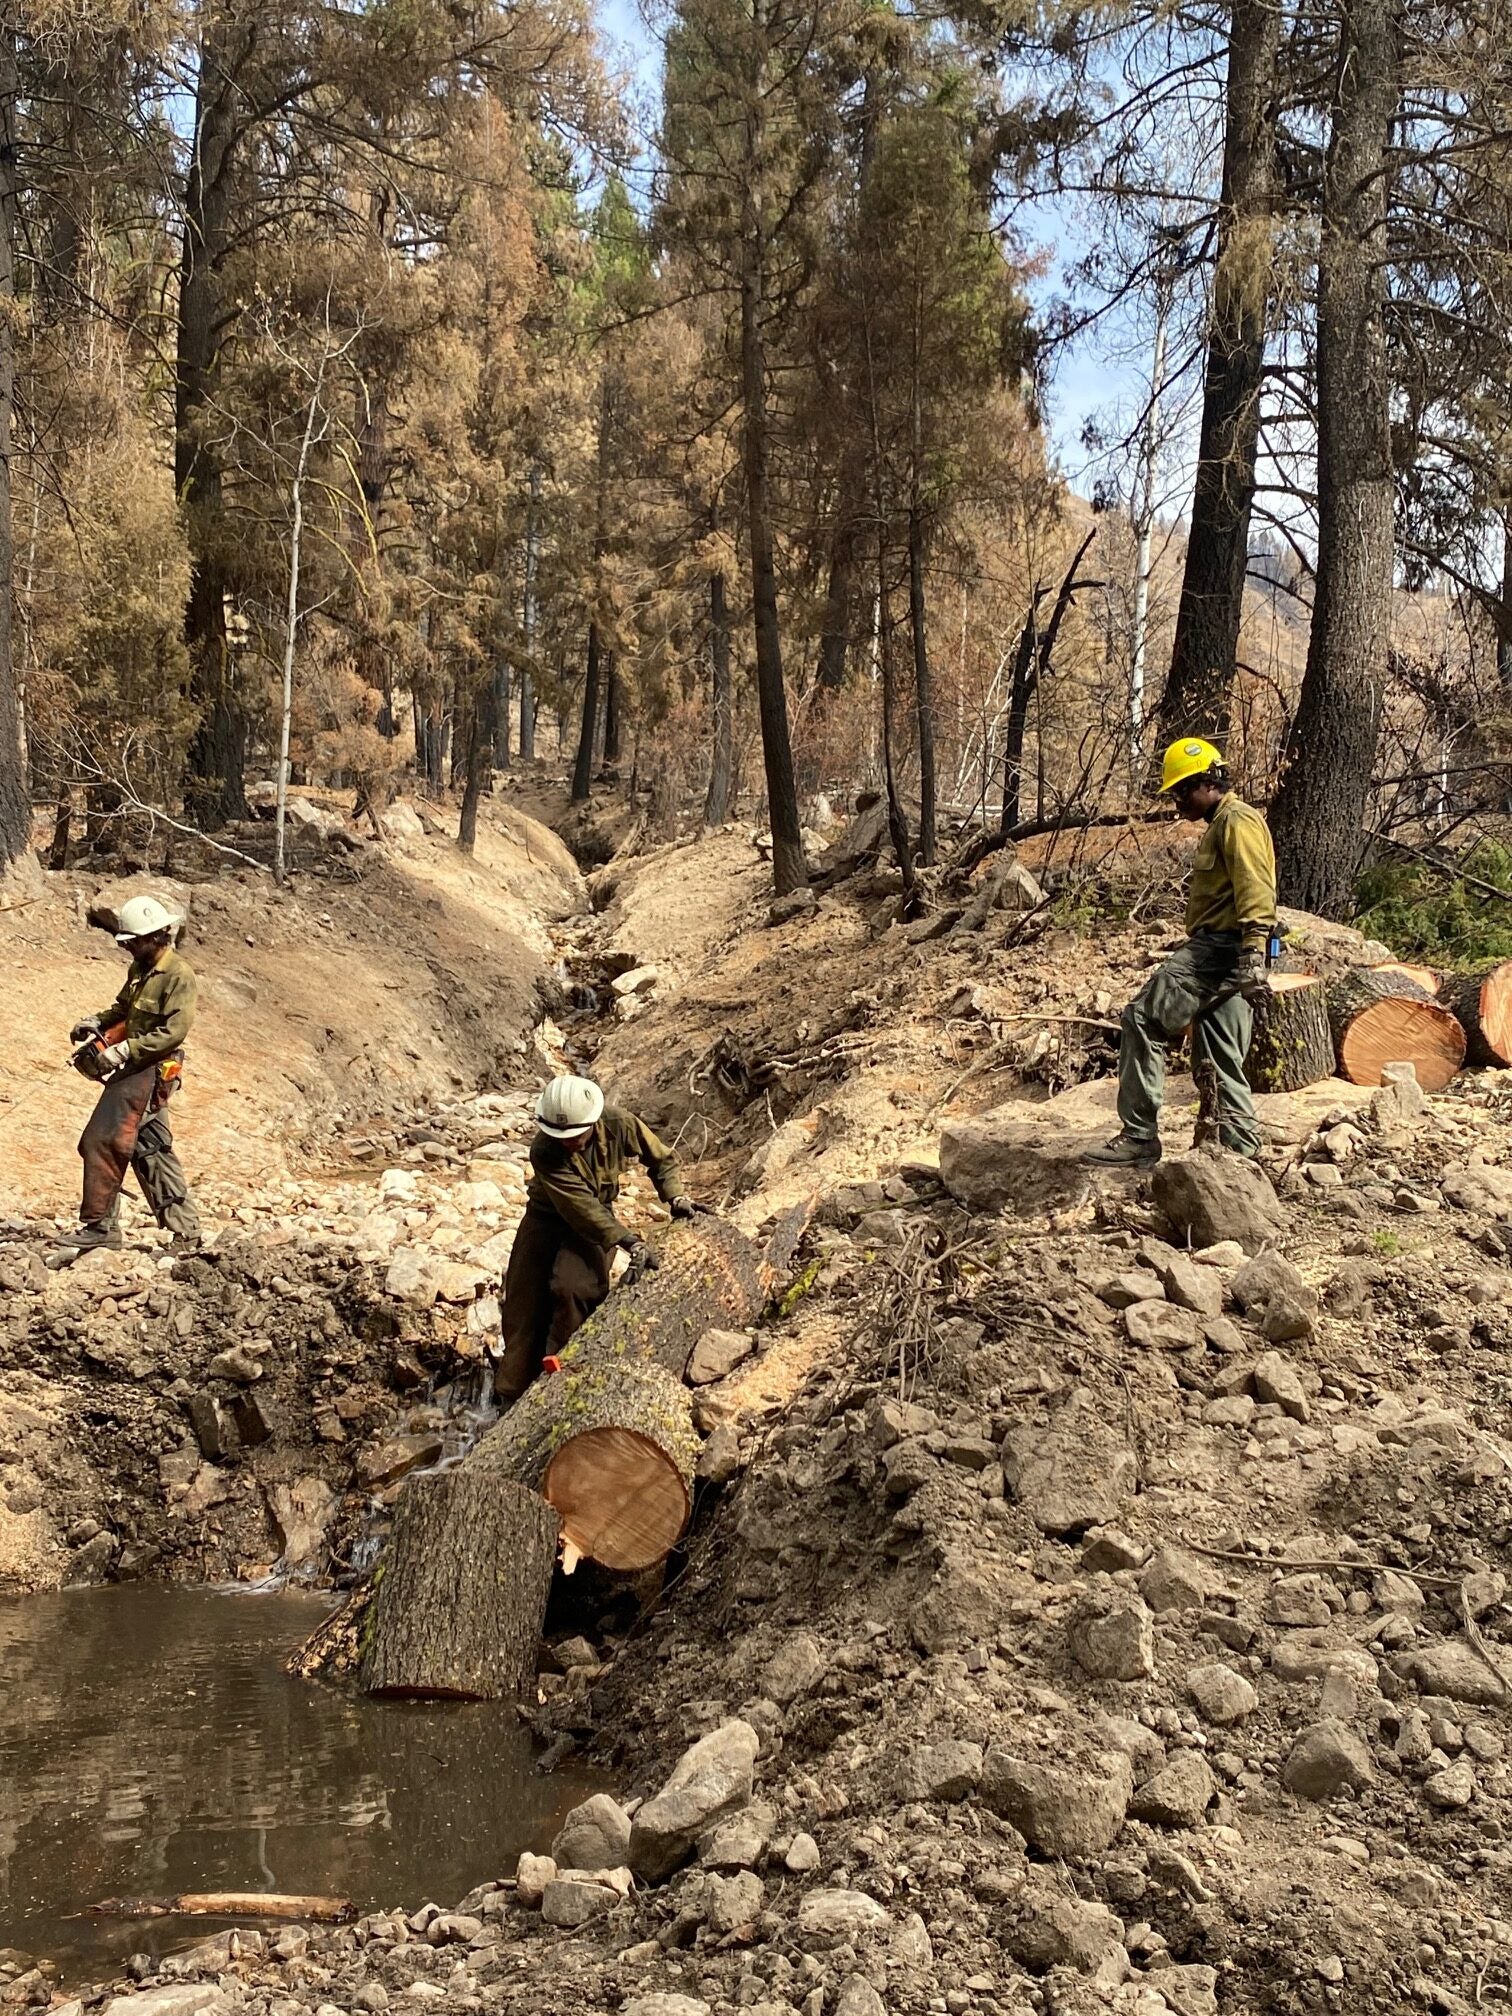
<point>1212,981</point>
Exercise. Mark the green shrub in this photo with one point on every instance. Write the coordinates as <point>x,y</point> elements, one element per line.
<point>1422,915</point>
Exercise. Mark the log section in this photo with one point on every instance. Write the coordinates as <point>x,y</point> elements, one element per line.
<point>1481,1002</point>
<point>1292,1046</point>
<point>458,1602</point>
<point>1381,1018</point>
<point>1402,969</point>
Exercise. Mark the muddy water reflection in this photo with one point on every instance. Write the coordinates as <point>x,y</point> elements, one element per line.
<point>150,1745</point>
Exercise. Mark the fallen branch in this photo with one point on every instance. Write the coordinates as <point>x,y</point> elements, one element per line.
<point>230,1904</point>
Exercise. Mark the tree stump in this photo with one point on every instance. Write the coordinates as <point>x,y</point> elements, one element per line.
<point>1292,1046</point>
<point>459,1600</point>
<point>1381,1018</point>
<point>1481,1002</point>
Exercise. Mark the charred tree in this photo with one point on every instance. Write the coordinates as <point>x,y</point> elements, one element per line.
<point>722,703</point>
<point>15,804</point>
<point>582,769</point>
<point>1208,615</point>
<point>1318,817</point>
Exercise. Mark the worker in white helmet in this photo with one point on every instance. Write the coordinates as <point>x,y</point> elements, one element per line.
<point>138,1043</point>
<point>559,1265</point>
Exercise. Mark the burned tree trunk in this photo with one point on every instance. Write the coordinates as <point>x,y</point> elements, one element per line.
<point>457,1608</point>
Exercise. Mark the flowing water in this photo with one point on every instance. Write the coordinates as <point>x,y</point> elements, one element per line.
<point>151,1745</point>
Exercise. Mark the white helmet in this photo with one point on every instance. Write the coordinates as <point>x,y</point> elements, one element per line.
<point>144,917</point>
<point>567,1106</point>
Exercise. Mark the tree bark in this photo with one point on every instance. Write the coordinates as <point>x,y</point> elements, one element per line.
<point>1481,1002</point>
<point>923,687</point>
<point>789,868</point>
<point>15,803</point>
<point>717,800</point>
<point>614,711</point>
<point>897,819</point>
<point>458,1608</point>
<point>582,769</point>
<point>1380,1018</point>
<point>1318,818</point>
<point>1209,613</point>
<point>477,751</point>
<point>501,696</point>
<point>527,675</point>
<point>839,599</point>
<point>214,789</point>
<point>1292,1046</point>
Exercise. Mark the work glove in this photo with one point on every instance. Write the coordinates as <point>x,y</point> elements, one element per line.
<point>688,1207</point>
<point>643,1260</point>
<point>1249,976</point>
<point>115,1056</point>
<point>82,1031</point>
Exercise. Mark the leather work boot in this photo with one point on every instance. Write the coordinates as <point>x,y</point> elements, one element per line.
<point>87,1239</point>
<point>1124,1152</point>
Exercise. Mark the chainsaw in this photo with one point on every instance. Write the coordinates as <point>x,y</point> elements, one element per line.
<point>89,1058</point>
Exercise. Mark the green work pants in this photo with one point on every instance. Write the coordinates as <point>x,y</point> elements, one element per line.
<point>1175,995</point>
<point>129,1131</point>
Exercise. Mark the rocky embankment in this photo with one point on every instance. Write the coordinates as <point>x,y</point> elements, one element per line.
<point>1104,1611</point>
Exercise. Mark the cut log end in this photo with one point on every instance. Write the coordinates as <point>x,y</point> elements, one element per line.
<point>1401,1031</point>
<point>1482,1001</point>
<point>1420,976</point>
<point>621,1499</point>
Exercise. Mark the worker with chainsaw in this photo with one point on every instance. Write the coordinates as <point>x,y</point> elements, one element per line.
<point>559,1269</point>
<point>135,1048</point>
<point>1212,981</point>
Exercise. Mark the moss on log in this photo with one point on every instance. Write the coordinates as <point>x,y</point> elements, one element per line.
<point>1292,1046</point>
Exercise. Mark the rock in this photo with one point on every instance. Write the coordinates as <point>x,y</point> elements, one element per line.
<point>741,1841</point>
<point>1107,1549</point>
<point>1310,1655</point>
<point>735,1901</point>
<point>1190,1286</point>
<point>962,1607</point>
<point>412,1276</point>
<point>664,2005</point>
<point>859,1998</point>
<point>302,1512</point>
<point>795,1668</point>
<point>710,1780</point>
<point>1002,1161</point>
<point>531,1877</point>
<point>1209,1197</point>
<point>595,1835</point>
<point>1452,1788</point>
<point>238,1363</point>
<point>180,1998</point>
<point>840,1914</point>
<point>1235,1410</point>
<point>1398,1109</point>
<point>453,1928</point>
<point>1326,1759</point>
<point>802,1857</point>
<point>1122,1291</point>
<point>1454,1669</point>
<point>1160,1326</point>
<point>1078,1472</point>
<point>799,903</point>
<point>1174,1580</point>
<point>946,1771</point>
<point>1112,1639</point>
<point>1222,1696</point>
<point>571,1901</point>
<point>1478,1186</point>
<point>1191,1990</point>
<point>1059,1808</point>
<point>720,1460</point>
<point>907,1466</point>
<point>1262,1279</point>
<point>1278,1381</point>
<point>1056,1931</point>
<point>1287,1319</point>
<point>637,981</point>
<point>390,1461</point>
<point>1178,1795</point>
<point>716,1354</point>
<point>891,1421</point>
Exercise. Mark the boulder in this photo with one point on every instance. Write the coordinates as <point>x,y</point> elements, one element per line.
<point>716,1354</point>
<point>1112,1639</point>
<point>1221,1695</point>
<point>948,1771</point>
<point>734,1901</point>
<point>574,1899</point>
<point>1174,1580</point>
<point>1002,1161</point>
<point>532,1876</point>
<point>796,1667</point>
<point>841,1915</point>
<point>1478,1186</point>
<point>1325,1760</point>
<point>1454,1669</point>
<point>1122,1291</point>
<point>712,1779</point>
<point>1179,1794</point>
<point>1453,1788</point>
<point>595,1835</point>
<point>302,1512</point>
<point>1052,1931</point>
<point>1278,1381</point>
<point>741,1841</point>
<point>1061,1809</point>
<point>1209,1196</point>
<point>1190,1286</point>
<point>1160,1326</point>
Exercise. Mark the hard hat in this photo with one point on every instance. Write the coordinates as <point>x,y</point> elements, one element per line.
<point>1191,758</point>
<point>144,917</point>
<point>567,1106</point>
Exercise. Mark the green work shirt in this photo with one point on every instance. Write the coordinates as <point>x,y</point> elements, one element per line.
<point>579,1185</point>
<point>1234,875</point>
<point>157,1005</point>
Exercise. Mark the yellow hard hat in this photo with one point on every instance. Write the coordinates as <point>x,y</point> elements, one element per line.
<point>1191,758</point>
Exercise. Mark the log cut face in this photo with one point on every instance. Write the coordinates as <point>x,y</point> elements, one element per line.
<point>1381,1018</point>
<point>1292,1046</point>
<point>1420,976</point>
<point>1481,1001</point>
<point>458,1602</point>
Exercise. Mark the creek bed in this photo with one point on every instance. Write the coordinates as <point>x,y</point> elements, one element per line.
<point>151,1745</point>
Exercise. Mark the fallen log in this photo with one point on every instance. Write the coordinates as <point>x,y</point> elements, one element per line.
<point>1481,1002</point>
<point>230,1904</point>
<point>1421,976</point>
<point>1292,1046</point>
<point>457,1608</point>
<point>1381,1018</point>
